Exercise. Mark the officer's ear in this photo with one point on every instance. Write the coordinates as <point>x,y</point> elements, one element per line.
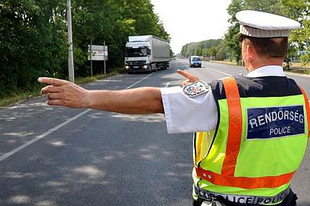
<point>250,52</point>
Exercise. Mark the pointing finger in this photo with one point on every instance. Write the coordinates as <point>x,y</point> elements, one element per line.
<point>52,81</point>
<point>188,75</point>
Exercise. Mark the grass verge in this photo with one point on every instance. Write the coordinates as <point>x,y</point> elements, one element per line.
<point>84,80</point>
<point>35,91</point>
<point>20,96</point>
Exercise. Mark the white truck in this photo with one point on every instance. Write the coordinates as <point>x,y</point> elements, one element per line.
<point>146,53</point>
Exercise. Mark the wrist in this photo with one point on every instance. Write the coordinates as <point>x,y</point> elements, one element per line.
<point>88,99</point>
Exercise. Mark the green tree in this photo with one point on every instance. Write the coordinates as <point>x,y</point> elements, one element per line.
<point>223,52</point>
<point>270,6</point>
<point>300,11</point>
<point>33,36</point>
<point>113,22</point>
<point>200,48</point>
<point>30,43</point>
<point>231,39</point>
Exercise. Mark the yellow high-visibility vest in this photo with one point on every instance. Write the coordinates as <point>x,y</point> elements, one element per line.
<point>260,139</point>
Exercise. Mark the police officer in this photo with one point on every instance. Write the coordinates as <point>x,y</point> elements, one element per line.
<point>257,125</point>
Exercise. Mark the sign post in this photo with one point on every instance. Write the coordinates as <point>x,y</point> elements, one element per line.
<point>98,53</point>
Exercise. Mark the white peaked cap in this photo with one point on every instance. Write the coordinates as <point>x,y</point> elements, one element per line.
<point>265,25</point>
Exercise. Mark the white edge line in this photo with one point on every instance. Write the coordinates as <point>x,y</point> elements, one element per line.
<point>139,81</point>
<point>16,150</point>
<point>220,72</point>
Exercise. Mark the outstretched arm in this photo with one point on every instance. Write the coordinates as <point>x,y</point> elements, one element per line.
<point>145,100</point>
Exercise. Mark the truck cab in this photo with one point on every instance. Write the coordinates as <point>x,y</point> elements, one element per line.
<point>137,56</point>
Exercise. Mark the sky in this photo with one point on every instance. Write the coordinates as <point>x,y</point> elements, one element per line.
<point>192,20</point>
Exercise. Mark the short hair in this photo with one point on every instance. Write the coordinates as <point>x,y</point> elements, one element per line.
<point>268,47</point>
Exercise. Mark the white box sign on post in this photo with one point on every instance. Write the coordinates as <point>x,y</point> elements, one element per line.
<point>99,53</point>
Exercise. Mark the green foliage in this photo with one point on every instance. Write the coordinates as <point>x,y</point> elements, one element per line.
<point>300,11</point>
<point>203,48</point>
<point>233,8</point>
<point>297,9</point>
<point>232,42</point>
<point>29,43</point>
<point>231,37</point>
<point>215,49</point>
<point>270,6</point>
<point>33,36</point>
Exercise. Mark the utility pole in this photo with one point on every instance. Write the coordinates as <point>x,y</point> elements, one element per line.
<point>91,58</point>
<point>70,43</point>
<point>104,63</point>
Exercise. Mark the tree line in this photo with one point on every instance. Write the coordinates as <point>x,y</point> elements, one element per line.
<point>229,47</point>
<point>33,36</point>
<point>212,49</point>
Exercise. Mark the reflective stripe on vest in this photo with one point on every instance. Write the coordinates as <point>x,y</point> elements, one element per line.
<point>227,176</point>
<point>307,109</point>
<point>244,182</point>
<point>235,126</point>
<point>242,199</point>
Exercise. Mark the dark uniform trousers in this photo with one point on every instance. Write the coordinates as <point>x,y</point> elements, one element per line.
<point>290,200</point>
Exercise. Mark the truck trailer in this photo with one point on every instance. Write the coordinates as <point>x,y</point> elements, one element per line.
<point>146,53</point>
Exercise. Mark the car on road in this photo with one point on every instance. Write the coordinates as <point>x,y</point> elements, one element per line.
<point>195,61</point>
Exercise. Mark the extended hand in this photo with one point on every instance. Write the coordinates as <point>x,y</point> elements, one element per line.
<point>190,78</point>
<point>64,93</point>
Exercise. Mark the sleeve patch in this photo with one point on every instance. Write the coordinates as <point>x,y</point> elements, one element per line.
<point>196,89</point>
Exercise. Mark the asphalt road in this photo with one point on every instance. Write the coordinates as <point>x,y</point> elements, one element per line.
<point>53,156</point>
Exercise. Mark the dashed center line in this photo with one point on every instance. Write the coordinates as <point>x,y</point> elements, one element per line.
<point>220,72</point>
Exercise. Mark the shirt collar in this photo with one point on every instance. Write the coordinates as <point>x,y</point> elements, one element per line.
<point>271,70</point>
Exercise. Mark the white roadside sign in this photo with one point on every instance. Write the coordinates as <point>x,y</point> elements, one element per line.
<point>99,53</point>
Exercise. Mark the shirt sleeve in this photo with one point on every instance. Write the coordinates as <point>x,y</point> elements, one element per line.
<point>184,114</point>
